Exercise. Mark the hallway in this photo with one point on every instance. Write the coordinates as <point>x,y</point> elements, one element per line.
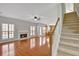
<point>69,42</point>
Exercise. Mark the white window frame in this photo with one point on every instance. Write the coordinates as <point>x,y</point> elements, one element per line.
<point>7,31</point>
<point>44,30</point>
<point>32,30</point>
<point>40,30</point>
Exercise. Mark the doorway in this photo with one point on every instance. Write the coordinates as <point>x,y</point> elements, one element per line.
<point>69,7</point>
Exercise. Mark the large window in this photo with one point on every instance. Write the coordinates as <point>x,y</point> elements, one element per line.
<point>4,31</point>
<point>44,30</point>
<point>7,31</point>
<point>32,30</point>
<point>33,27</point>
<point>11,30</point>
<point>40,30</point>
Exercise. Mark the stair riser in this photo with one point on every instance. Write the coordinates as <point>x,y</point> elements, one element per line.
<point>71,36</point>
<point>71,21</point>
<point>74,32</point>
<point>69,41</point>
<point>61,53</point>
<point>71,52</point>
<point>72,28</point>
<point>70,25</point>
<point>69,47</point>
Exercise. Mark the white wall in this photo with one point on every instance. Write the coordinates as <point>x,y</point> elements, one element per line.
<point>21,26</point>
<point>57,33</point>
<point>76,8</point>
<point>69,7</point>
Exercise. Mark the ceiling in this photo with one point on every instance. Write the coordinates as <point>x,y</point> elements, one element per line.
<point>26,11</point>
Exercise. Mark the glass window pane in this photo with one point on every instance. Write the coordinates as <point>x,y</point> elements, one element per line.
<point>12,27</point>
<point>44,30</point>
<point>6,31</point>
<point>4,27</point>
<point>11,30</point>
<point>33,29</point>
<point>11,34</point>
<point>40,30</point>
<point>5,35</point>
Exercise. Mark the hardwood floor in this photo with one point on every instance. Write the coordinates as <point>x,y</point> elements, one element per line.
<point>37,46</point>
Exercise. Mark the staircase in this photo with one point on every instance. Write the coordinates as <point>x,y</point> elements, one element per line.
<point>69,41</point>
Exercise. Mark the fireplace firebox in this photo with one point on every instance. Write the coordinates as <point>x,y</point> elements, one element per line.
<point>23,35</point>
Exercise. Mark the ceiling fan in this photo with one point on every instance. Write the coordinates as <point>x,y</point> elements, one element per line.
<point>36,17</point>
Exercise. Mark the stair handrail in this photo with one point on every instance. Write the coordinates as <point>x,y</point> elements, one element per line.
<point>52,34</point>
<point>55,25</point>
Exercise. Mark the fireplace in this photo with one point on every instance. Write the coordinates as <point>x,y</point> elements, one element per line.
<point>23,35</point>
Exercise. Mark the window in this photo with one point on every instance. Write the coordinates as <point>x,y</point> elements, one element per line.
<point>7,31</point>
<point>44,30</point>
<point>32,30</point>
<point>4,31</point>
<point>33,27</point>
<point>40,30</point>
<point>11,30</point>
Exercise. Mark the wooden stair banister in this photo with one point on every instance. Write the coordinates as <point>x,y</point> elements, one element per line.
<point>51,33</point>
